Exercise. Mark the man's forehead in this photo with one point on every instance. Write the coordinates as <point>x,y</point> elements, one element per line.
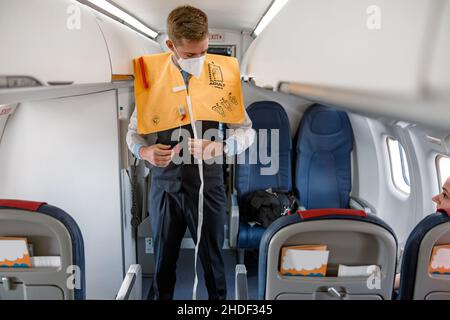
<point>194,46</point>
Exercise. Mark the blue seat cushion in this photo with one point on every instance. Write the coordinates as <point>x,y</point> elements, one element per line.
<point>265,116</point>
<point>250,236</point>
<point>323,164</point>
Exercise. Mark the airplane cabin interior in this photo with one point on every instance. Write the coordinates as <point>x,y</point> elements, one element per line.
<point>349,102</point>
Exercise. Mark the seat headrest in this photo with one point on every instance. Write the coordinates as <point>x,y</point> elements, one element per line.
<point>326,122</point>
<point>317,213</point>
<point>21,204</point>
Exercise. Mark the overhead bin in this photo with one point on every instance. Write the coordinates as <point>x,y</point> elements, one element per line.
<point>439,78</point>
<point>397,71</point>
<point>328,43</point>
<point>124,44</point>
<point>56,43</point>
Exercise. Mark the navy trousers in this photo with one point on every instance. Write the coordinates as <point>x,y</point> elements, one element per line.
<point>171,213</point>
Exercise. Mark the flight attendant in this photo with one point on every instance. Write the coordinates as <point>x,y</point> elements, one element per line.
<point>162,83</point>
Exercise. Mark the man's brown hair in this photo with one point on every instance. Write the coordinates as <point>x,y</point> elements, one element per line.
<point>187,22</point>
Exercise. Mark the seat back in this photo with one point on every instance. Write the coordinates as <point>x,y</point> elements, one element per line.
<point>352,237</point>
<point>52,232</point>
<point>323,158</point>
<point>416,281</point>
<point>266,116</point>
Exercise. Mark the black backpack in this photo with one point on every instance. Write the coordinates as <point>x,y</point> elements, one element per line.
<point>265,206</point>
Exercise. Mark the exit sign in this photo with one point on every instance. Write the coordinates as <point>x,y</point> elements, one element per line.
<point>216,37</point>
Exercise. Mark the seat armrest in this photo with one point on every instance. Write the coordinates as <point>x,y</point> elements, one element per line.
<point>234,219</point>
<point>241,287</point>
<point>360,204</point>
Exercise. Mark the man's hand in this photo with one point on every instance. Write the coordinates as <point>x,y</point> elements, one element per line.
<point>205,149</point>
<point>159,155</point>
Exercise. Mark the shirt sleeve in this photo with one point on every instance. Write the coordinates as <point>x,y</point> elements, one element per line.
<point>136,141</point>
<point>242,136</point>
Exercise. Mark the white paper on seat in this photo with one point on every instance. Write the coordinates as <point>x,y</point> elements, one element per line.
<point>46,261</point>
<point>358,271</point>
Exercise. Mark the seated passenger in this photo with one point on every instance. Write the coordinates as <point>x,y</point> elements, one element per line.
<point>442,201</point>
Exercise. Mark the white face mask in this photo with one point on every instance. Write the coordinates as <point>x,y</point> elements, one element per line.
<point>193,66</point>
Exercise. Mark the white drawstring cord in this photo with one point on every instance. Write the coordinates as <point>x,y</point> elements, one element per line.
<point>200,202</point>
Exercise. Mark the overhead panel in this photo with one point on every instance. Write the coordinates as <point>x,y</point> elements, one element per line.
<point>231,14</point>
<point>54,44</point>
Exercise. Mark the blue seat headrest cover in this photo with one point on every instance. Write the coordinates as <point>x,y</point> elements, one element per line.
<point>265,115</point>
<point>323,164</point>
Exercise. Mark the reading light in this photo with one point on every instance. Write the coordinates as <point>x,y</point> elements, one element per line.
<point>132,21</point>
<point>269,15</point>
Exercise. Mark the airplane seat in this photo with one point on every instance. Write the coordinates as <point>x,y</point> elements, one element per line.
<point>352,237</point>
<point>265,115</point>
<point>323,173</point>
<point>416,282</point>
<point>52,233</point>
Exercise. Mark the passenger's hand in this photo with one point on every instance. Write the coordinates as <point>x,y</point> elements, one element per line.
<point>159,155</point>
<point>205,149</point>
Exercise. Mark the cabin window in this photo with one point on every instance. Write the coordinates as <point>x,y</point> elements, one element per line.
<point>399,165</point>
<point>443,169</point>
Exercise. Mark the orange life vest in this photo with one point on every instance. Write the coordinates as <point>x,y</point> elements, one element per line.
<point>161,95</point>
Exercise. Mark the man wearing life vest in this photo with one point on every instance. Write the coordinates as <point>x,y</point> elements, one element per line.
<point>180,96</point>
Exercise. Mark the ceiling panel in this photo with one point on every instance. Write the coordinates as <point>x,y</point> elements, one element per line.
<point>241,15</point>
